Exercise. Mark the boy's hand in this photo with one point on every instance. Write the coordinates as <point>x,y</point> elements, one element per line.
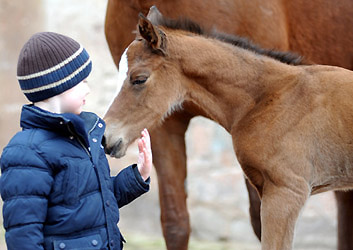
<point>144,163</point>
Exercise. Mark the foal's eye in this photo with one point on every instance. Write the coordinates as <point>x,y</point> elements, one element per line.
<point>139,80</point>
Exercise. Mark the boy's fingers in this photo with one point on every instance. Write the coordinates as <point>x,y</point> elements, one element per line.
<point>140,145</point>
<point>144,145</point>
<point>147,136</point>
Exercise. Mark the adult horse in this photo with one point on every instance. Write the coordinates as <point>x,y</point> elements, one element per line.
<point>318,29</point>
<point>292,126</point>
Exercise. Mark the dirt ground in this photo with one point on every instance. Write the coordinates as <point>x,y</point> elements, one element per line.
<point>218,210</point>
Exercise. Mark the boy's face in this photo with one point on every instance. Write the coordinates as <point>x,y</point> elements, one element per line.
<point>72,100</point>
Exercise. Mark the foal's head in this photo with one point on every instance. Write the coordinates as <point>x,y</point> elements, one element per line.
<point>156,84</point>
<point>141,102</point>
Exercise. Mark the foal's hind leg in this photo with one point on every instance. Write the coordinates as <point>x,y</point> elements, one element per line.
<point>254,209</point>
<point>345,218</point>
<point>169,158</point>
<point>280,209</point>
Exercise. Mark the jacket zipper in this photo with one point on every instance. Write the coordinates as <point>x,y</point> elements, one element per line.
<point>84,147</point>
<point>79,141</point>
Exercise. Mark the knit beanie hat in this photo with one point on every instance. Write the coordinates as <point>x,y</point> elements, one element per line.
<point>49,64</point>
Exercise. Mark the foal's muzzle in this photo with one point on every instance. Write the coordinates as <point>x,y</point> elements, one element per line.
<point>115,149</point>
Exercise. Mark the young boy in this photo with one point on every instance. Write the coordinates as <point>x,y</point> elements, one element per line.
<point>55,182</point>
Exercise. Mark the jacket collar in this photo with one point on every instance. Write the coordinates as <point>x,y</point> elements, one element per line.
<point>66,123</point>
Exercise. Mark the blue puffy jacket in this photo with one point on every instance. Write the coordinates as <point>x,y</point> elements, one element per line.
<point>56,184</point>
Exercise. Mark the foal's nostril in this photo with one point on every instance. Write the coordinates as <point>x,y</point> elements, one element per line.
<point>107,150</point>
<point>116,148</point>
<point>104,142</point>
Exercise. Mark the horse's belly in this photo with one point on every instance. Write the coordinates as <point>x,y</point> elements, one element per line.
<point>342,184</point>
<point>332,176</point>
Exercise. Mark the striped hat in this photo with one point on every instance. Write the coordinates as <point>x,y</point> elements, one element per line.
<point>49,64</point>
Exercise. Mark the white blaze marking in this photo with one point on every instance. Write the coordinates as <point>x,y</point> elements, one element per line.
<point>122,74</point>
<point>123,68</point>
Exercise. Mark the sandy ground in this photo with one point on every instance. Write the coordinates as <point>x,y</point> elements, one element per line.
<point>223,200</point>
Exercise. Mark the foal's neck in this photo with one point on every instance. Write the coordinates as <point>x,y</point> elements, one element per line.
<point>227,82</point>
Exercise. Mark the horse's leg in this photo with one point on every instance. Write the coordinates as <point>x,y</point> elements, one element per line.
<point>169,157</point>
<point>254,209</point>
<point>280,209</point>
<point>345,218</point>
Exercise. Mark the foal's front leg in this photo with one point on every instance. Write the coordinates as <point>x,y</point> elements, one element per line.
<point>169,158</point>
<point>280,209</point>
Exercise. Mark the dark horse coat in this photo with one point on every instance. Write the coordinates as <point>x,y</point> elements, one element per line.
<point>56,184</point>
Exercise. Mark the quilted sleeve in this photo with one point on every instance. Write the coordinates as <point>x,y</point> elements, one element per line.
<point>25,184</point>
<point>128,185</point>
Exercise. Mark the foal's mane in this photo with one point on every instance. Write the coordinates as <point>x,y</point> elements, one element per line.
<point>242,42</point>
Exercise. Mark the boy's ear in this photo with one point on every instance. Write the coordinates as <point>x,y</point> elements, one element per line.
<point>155,37</point>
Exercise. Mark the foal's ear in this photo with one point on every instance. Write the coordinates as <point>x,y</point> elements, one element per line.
<point>154,15</point>
<point>154,36</point>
